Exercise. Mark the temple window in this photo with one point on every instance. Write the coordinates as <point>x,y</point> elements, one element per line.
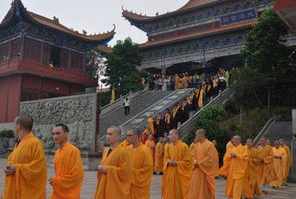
<point>55,56</point>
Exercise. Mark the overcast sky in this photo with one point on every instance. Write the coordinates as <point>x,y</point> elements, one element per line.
<point>97,16</point>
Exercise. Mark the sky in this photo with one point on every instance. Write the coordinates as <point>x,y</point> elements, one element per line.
<point>96,16</point>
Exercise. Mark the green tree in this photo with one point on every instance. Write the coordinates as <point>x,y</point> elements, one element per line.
<point>265,50</point>
<point>267,62</point>
<point>121,67</point>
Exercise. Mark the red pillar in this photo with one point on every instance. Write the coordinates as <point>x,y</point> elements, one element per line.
<point>10,89</point>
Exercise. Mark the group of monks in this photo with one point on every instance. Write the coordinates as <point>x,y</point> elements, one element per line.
<point>126,168</point>
<point>250,168</point>
<point>179,113</point>
<point>26,169</point>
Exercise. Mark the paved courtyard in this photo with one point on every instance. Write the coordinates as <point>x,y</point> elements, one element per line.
<point>90,184</point>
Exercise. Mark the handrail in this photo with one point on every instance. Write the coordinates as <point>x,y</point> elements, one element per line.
<point>148,108</point>
<point>263,131</point>
<point>183,127</point>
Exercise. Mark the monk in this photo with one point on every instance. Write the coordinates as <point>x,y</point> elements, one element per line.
<point>237,156</point>
<point>206,162</point>
<point>115,171</point>
<point>226,162</point>
<point>177,168</point>
<point>124,143</point>
<point>288,161</point>
<point>151,145</point>
<point>201,96</point>
<point>150,124</point>
<point>159,154</point>
<point>142,166</point>
<point>251,186</point>
<point>26,166</point>
<point>278,157</point>
<point>265,170</point>
<point>68,166</point>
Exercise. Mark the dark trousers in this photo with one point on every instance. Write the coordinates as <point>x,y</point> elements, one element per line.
<point>126,110</point>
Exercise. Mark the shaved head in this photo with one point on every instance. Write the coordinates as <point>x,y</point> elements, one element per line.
<point>173,135</point>
<point>25,122</point>
<point>200,135</point>
<point>236,140</point>
<point>115,129</point>
<point>113,135</point>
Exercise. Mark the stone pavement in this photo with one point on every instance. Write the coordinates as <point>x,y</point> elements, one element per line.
<point>90,185</point>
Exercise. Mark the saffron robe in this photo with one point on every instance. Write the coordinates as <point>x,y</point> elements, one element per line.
<point>236,173</point>
<point>289,161</point>
<point>142,170</point>
<point>278,156</point>
<point>203,185</point>
<point>251,185</point>
<point>116,183</point>
<point>159,155</point>
<point>30,178</point>
<point>266,173</point>
<point>151,145</point>
<point>69,173</point>
<point>226,162</point>
<point>176,179</point>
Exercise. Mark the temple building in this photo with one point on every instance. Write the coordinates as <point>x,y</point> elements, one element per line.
<point>41,58</point>
<point>201,34</point>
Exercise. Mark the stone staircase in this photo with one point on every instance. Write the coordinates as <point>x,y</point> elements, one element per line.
<point>114,114</point>
<point>159,106</point>
<point>188,126</point>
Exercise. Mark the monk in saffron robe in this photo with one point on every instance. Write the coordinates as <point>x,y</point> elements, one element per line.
<point>278,156</point>
<point>26,166</point>
<point>142,166</point>
<point>206,161</point>
<point>151,145</point>
<point>68,166</point>
<point>288,161</point>
<point>177,168</point>
<point>115,171</point>
<point>251,186</point>
<point>201,96</point>
<point>159,155</point>
<point>265,170</point>
<point>226,162</point>
<point>150,125</point>
<point>124,143</point>
<point>238,163</point>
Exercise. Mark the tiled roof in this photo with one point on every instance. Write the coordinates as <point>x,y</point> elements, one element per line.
<point>221,29</point>
<point>191,4</point>
<point>53,23</point>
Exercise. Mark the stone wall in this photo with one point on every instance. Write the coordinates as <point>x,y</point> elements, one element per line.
<point>78,112</point>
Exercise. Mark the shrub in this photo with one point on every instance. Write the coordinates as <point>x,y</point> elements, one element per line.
<point>7,134</point>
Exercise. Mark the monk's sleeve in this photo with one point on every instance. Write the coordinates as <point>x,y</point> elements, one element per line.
<point>143,175</point>
<point>211,159</point>
<point>227,156</point>
<point>242,154</point>
<point>166,157</point>
<point>185,164</point>
<point>74,174</point>
<point>268,158</point>
<point>123,171</point>
<point>34,169</point>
